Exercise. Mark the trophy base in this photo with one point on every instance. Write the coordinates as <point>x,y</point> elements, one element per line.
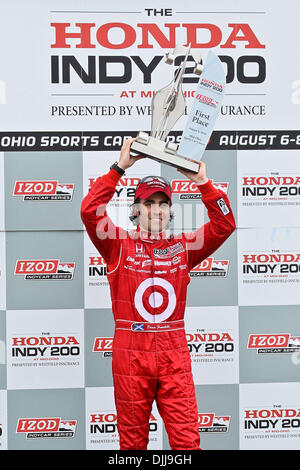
<point>162,152</point>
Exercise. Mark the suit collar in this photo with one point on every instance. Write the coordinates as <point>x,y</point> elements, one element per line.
<point>141,234</point>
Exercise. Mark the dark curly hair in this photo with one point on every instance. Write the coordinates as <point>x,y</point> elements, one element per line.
<point>134,217</point>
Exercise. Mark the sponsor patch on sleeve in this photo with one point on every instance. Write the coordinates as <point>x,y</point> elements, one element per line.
<point>223,206</point>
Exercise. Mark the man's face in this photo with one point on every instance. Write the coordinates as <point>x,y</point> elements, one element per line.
<point>154,212</point>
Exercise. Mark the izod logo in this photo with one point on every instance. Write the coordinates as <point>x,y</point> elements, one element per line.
<point>45,269</point>
<point>274,343</point>
<point>210,422</point>
<point>43,190</point>
<point>46,427</point>
<point>104,346</point>
<point>211,267</point>
<point>189,190</point>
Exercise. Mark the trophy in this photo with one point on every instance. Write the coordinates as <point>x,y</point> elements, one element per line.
<point>168,105</point>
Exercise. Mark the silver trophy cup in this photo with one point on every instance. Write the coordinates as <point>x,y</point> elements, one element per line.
<point>168,105</point>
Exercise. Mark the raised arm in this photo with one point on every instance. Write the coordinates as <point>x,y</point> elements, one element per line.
<point>105,236</point>
<point>103,233</point>
<point>208,238</point>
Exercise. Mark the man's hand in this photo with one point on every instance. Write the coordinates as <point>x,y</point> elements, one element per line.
<point>198,178</point>
<point>126,160</point>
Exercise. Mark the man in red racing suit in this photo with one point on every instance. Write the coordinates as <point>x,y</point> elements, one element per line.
<point>148,273</point>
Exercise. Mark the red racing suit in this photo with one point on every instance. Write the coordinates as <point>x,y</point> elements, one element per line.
<point>148,280</point>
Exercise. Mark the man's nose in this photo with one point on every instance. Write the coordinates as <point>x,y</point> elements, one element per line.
<point>156,209</point>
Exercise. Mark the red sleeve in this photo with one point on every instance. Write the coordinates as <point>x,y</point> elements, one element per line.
<point>105,236</point>
<point>208,238</point>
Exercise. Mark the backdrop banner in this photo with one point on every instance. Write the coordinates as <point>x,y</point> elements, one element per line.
<point>76,79</point>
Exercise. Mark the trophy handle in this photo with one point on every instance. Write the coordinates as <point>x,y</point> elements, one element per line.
<point>191,160</point>
<point>142,138</point>
<point>132,153</point>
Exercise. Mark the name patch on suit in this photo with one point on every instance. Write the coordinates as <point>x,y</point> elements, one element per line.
<point>223,206</point>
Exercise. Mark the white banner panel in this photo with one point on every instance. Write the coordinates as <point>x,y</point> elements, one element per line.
<point>212,334</point>
<point>45,349</point>
<point>269,416</point>
<point>101,421</point>
<point>97,64</point>
<point>269,188</point>
<point>268,266</point>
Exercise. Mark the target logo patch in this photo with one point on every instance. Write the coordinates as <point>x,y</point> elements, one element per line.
<point>155,299</point>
